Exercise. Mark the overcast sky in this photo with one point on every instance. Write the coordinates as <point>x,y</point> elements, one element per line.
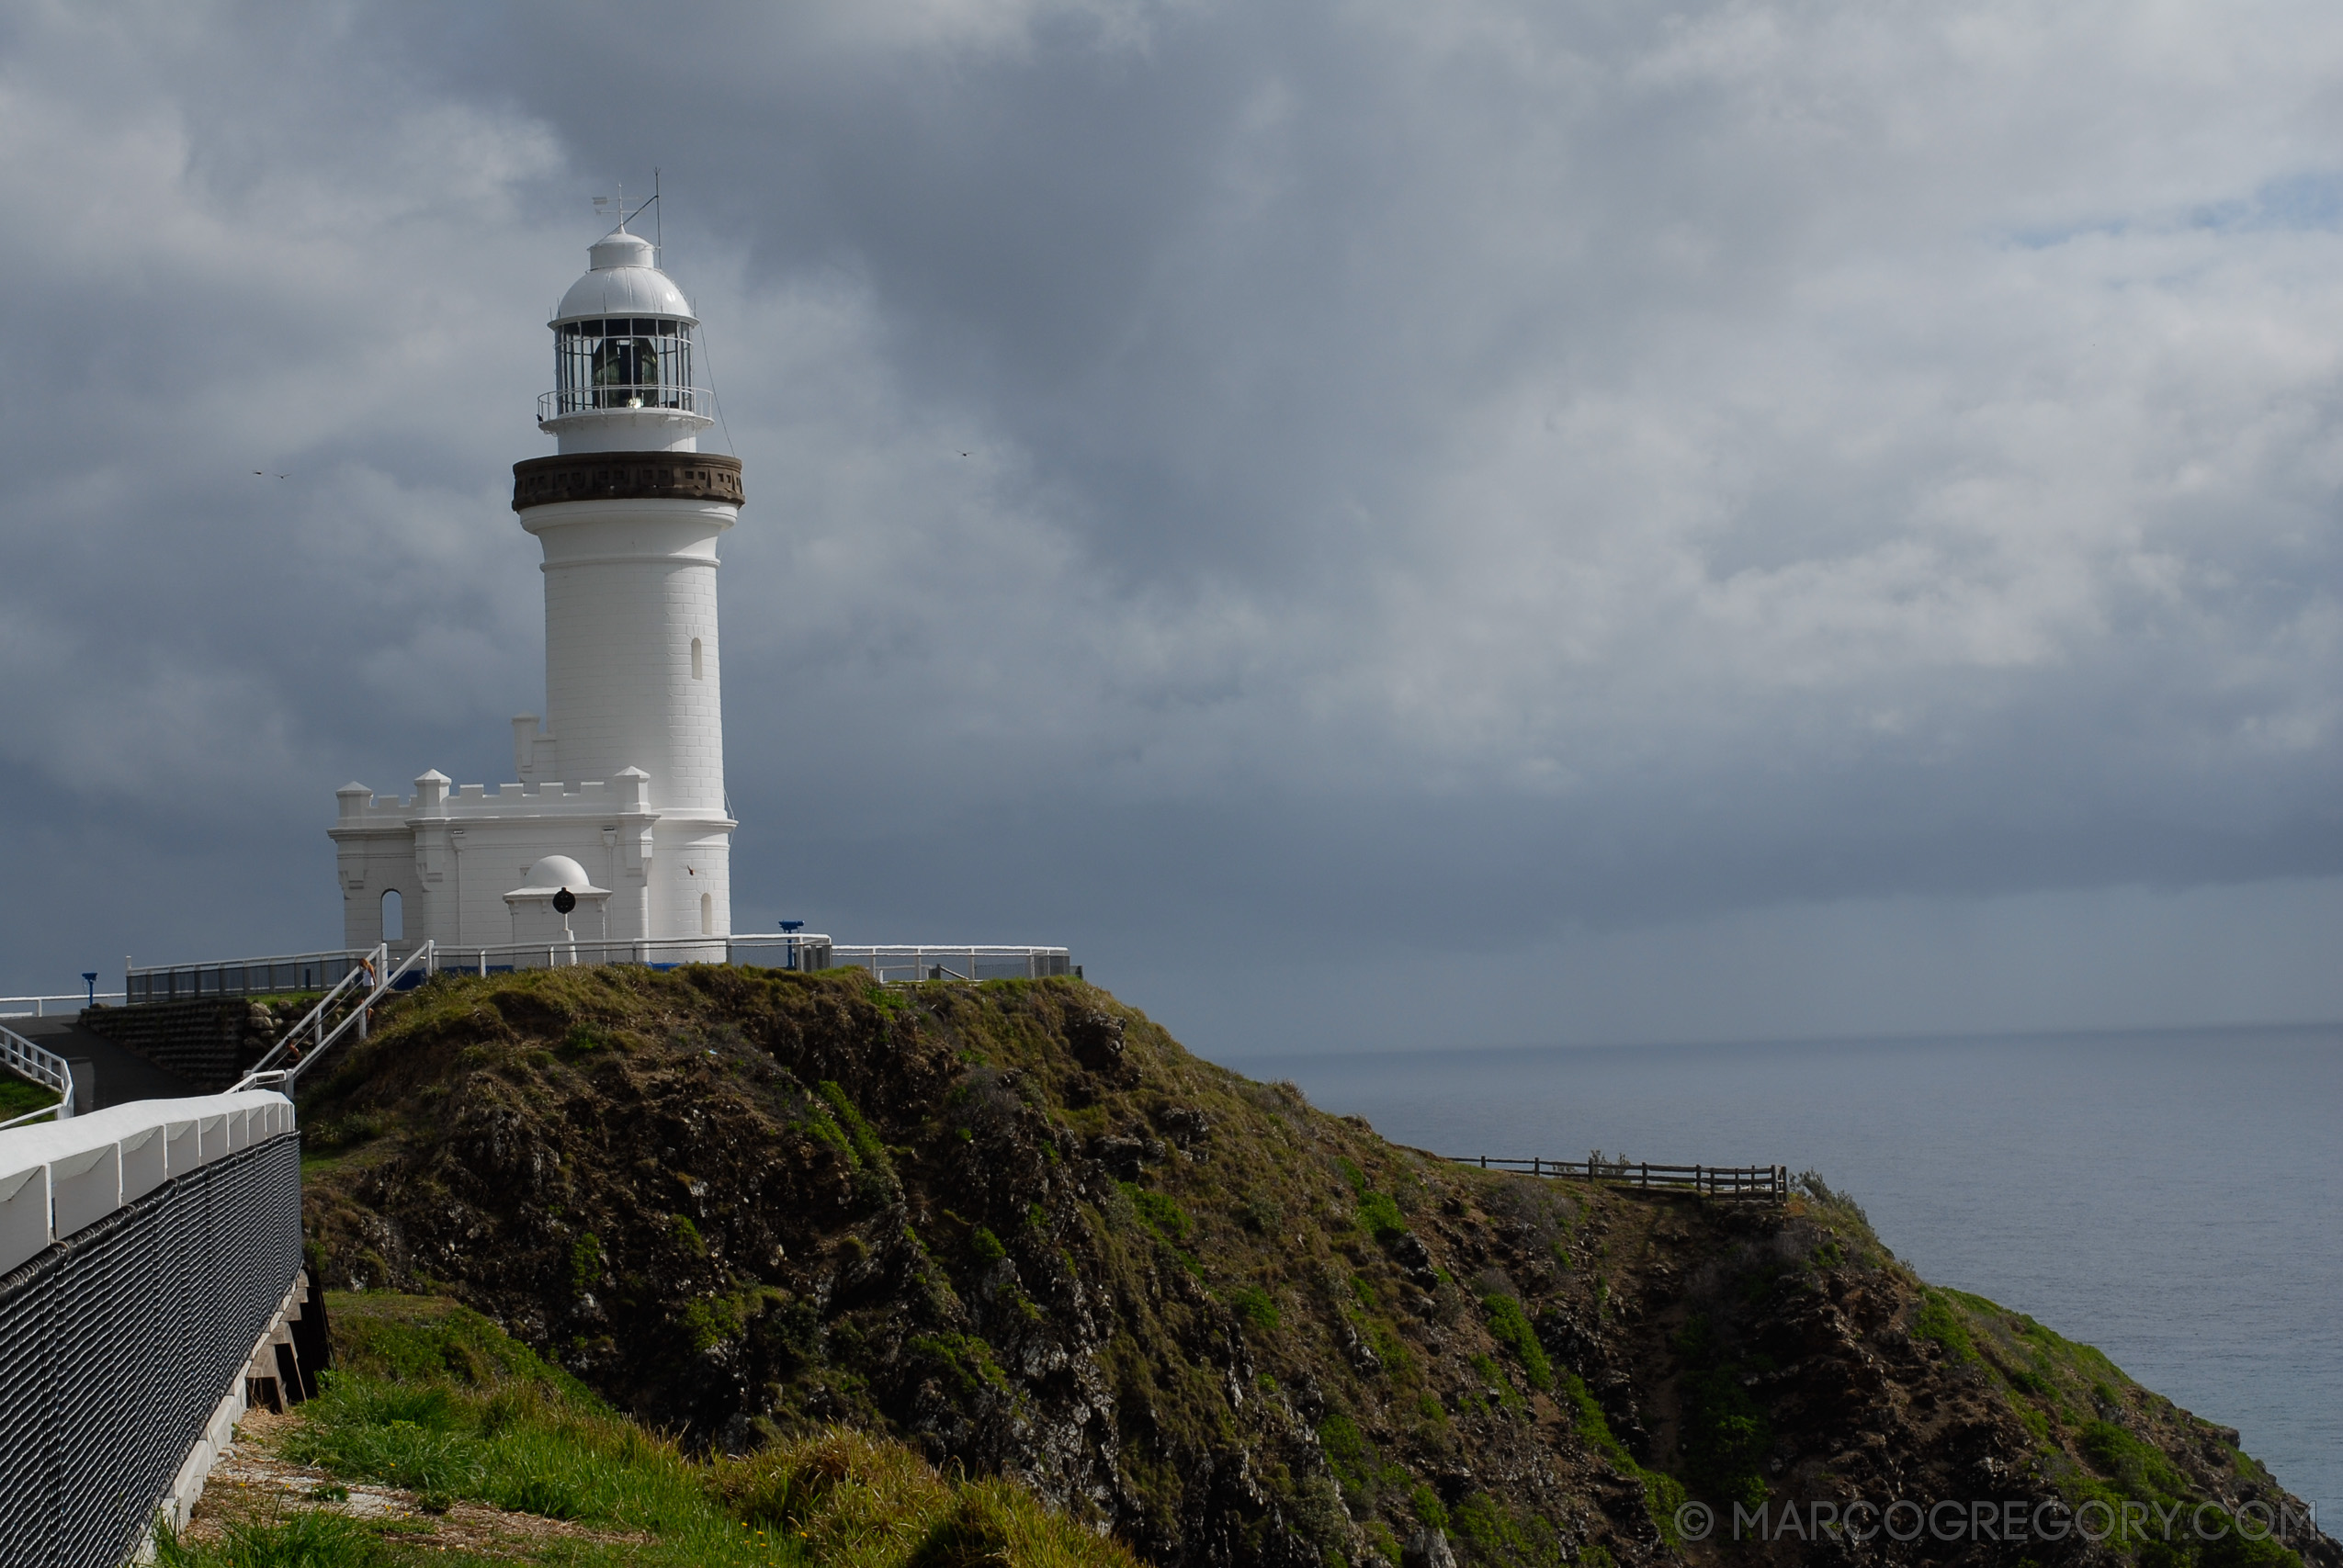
<point>1376,523</point>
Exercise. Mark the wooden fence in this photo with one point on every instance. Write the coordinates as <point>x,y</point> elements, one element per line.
<point>1733,1183</point>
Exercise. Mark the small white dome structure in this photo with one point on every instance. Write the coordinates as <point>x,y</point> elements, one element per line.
<point>536,912</point>
<point>553,873</point>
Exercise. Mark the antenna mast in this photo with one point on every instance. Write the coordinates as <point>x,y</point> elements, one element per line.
<point>657,218</point>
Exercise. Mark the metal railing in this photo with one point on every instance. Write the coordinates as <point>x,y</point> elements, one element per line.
<point>344,1009</point>
<point>29,1062</point>
<point>804,952</point>
<point>1755,1183</point>
<point>629,395</point>
<point>240,977</point>
<point>323,971</point>
<point>896,964</point>
<point>338,1012</point>
<point>41,1007</point>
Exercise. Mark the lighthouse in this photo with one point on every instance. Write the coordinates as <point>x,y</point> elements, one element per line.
<point>620,783</point>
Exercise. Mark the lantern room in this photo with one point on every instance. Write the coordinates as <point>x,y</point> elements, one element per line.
<point>622,358</point>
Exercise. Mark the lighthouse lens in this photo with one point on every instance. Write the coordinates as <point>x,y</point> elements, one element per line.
<point>624,361</point>
<point>625,368</point>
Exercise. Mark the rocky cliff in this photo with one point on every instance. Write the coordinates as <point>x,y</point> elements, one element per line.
<point>1018,1224</point>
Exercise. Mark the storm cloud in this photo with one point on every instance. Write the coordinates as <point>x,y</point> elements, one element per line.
<point>1376,523</point>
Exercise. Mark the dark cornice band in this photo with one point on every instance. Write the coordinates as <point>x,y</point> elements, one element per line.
<point>626,475</point>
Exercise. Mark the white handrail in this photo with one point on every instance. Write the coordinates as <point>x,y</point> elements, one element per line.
<point>27,1060</point>
<point>898,962</point>
<point>425,956</point>
<point>377,966</point>
<point>666,395</point>
<point>314,1020</point>
<point>926,961</point>
<point>73,1001</point>
<point>784,949</point>
<point>566,950</point>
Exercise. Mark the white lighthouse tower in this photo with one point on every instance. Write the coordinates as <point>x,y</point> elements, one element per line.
<point>622,786</point>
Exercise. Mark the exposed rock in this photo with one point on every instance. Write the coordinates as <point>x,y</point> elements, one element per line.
<point>1428,1548</point>
<point>740,1204</point>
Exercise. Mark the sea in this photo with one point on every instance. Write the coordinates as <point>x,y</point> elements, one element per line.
<point>2174,1197</point>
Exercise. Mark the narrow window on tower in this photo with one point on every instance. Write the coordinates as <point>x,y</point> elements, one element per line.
<point>394,920</point>
<point>697,673</point>
<point>707,914</point>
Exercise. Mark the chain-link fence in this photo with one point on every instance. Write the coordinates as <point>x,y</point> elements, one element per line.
<point>117,1343</point>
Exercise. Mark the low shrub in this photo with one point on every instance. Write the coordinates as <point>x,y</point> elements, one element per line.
<point>1510,1326</point>
<point>479,1418</point>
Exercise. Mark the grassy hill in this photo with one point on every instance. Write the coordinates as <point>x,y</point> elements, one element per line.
<point>18,1096</point>
<point>463,1447</point>
<point>1018,1228</point>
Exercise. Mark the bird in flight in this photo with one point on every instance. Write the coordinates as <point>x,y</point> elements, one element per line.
<point>263,473</point>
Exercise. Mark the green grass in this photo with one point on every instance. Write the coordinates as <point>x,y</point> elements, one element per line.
<point>1379,1217</point>
<point>433,1399</point>
<point>2060,1388</point>
<point>1726,1435</point>
<point>1510,1326</point>
<point>1163,1215</point>
<point>1507,1538</point>
<point>1257,1307</point>
<point>1663,1493</point>
<point>1285,1219</point>
<point>18,1096</point>
<point>1936,1320</point>
<point>315,1539</point>
<point>849,1499</point>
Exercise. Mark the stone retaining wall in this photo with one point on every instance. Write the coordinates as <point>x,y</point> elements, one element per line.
<point>208,1040</point>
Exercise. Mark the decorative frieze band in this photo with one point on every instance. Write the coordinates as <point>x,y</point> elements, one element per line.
<point>626,475</point>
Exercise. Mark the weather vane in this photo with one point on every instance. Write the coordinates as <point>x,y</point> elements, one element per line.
<point>603,204</point>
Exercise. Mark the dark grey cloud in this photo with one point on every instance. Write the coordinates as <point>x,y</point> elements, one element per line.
<point>1661,500</point>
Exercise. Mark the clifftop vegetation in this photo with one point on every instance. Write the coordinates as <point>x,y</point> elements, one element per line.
<point>1017,1227</point>
<point>439,1440</point>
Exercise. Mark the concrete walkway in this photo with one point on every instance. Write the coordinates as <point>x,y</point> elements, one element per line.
<point>122,1075</point>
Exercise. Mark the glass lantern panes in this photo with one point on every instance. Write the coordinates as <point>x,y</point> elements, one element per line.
<point>623,362</point>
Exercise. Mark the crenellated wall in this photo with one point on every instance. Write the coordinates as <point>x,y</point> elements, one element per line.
<point>452,856</point>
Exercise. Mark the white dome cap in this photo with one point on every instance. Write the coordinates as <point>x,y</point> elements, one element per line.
<point>554,872</point>
<point>623,281</point>
<point>559,871</point>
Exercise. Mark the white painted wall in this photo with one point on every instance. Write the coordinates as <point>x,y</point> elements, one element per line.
<point>628,586</point>
<point>57,1178</point>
